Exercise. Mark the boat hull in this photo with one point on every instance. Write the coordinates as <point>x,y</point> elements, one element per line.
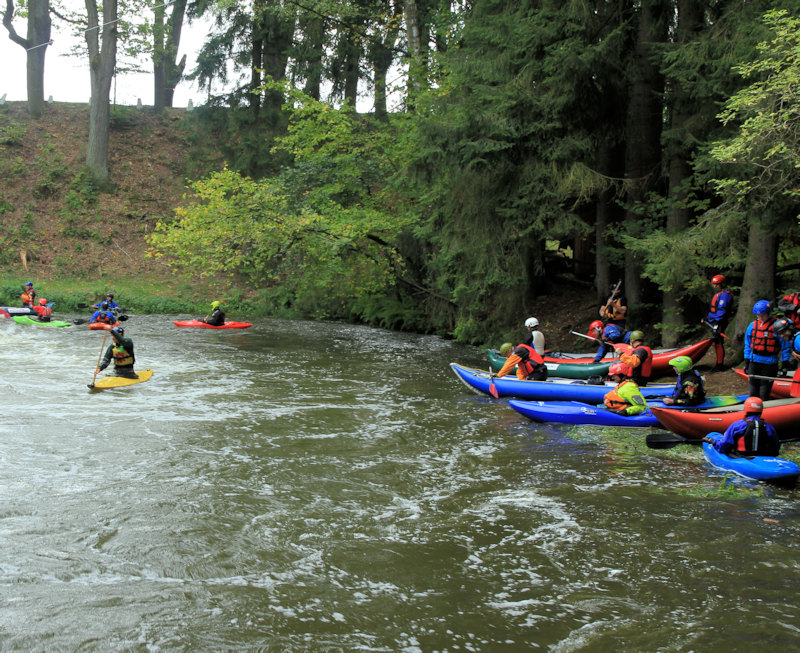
<point>203,325</point>
<point>575,412</point>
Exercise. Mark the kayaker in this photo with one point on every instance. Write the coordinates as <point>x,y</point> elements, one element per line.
<point>108,303</point>
<point>784,329</point>
<point>639,359</point>
<point>719,314</point>
<point>28,296</point>
<point>789,305</point>
<point>762,351</point>
<point>750,436</point>
<point>625,398</point>
<point>217,317</point>
<point>535,338</point>
<point>689,388</point>
<point>615,310</point>
<point>121,352</point>
<point>103,315</point>
<point>611,335</point>
<point>596,329</point>
<point>530,365</point>
<point>43,310</point>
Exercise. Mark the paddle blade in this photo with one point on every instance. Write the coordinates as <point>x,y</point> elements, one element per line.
<point>665,440</point>
<point>493,387</point>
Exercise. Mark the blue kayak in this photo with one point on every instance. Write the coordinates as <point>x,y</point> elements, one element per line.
<point>757,468</point>
<point>575,412</point>
<point>550,390</point>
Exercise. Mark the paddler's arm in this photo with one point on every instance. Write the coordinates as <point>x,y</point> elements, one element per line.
<point>511,361</point>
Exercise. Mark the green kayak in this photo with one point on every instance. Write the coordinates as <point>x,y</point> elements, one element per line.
<point>24,319</point>
<point>561,370</point>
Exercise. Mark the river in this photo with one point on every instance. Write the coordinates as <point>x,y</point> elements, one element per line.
<point>330,487</point>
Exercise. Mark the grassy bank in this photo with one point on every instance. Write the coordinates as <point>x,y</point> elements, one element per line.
<point>138,295</point>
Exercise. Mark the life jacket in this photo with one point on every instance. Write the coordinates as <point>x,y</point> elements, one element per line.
<point>614,310</point>
<point>762,340</point>
<point>613,401</point>
<point>753,441</point>
<point>121,356</point>
<point>530,359</point>
<point>106,318</point>
<point>689,389</point>
<point>789,305</point>
<point>715,300</point>
<point>645,366</point>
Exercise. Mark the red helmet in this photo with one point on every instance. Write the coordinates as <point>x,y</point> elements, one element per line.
<point>43,301</point>
<point>619,368</point>
<point>597,324</point>
<point>718,279</point>
<point>753,405</point>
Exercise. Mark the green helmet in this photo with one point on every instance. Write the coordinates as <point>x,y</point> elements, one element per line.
<point>214,304</point>
<point>505,348</point>
<point>681,363</point>
<point>636,335</point>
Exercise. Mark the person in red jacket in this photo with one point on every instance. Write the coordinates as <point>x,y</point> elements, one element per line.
<point>529,364</point>
<point>639,359</point>
<point>43,310</point>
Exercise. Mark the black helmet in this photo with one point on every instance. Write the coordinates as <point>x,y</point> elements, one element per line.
<point>117,331</point>
<point>110,295</point>
<point>780,326</point>
<point>104,306</point>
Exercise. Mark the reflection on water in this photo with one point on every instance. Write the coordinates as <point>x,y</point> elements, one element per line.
<point>331,487</point>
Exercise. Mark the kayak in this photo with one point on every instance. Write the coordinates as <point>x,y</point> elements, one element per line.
<point>757,468</point>
<point>780,389</point>
<point>783,414</point>
<point>203,325</point>
<point>550,390</point>
<point>24,319</point>
<point>564,370</point>
<point>582,366</point>
<point>20,310</point>
<point>120,381</point>
<point>575,412</point>
<point>99,326</point>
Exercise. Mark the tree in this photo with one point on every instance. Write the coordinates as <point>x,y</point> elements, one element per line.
<point>36,43</point>
<point>101,40</point>
<point>167,70</point>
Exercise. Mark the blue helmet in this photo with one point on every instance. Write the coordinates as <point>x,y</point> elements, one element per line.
<point>29,284</point>
<point>761,306</point>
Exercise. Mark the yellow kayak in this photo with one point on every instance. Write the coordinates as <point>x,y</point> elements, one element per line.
<point>121,381</point>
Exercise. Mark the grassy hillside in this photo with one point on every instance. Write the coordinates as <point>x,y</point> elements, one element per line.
<point>56,225</point>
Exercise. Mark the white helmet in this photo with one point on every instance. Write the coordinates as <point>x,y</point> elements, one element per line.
<point>531,322</point>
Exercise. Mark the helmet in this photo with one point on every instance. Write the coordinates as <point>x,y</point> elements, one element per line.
<point>29,284</point>
<point>117,331</point>
<point>681,363</point>
<point>718,279</point>
<point>753,405</point>
<point>619,368</point>
<point>761,306</point>
<point>531,322</point>
<point>214,304</point>
<point>781,325</point>
<point>110,295</point>
<point>43,301</point>
<point>635,335</point>
<point>505,348</point>
<point>597,324</point>
<point>104,306</point>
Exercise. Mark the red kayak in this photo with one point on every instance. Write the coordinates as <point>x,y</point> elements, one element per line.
<point>99,326</point>
<point>780,389</point>
<point>203,325</point>
<point>783,414</point>
<point>661,357</point>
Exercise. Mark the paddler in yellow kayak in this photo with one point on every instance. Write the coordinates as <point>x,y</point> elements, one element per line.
<point>121,352</point>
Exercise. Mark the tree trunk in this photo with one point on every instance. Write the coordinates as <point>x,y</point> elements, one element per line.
<point>313,28</point>
<point>759,275</point>
<point>414,38</point>
<point>36,46</point>
<point>102,63</point>
<point>643,134</point>
<point>690,15</point>
<point>167,71</point>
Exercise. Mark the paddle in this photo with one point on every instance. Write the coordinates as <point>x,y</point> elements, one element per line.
<point>83,320</point>
<point>97,367</point>
<point>795,381</point>
<point>666,440</point>
<point>618,346</point>
<point>711,326</point>
<point>492,386</point>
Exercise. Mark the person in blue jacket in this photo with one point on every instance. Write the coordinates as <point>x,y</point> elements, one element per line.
<point>103,315</point>
<point>108,303</point>
<point>719,314</point>
<point>612,334</point>
<point>763,351</point>
<point>784,328</point>
<point>750,436</point>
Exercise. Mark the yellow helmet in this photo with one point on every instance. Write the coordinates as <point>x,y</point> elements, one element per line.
<point>214,304</point>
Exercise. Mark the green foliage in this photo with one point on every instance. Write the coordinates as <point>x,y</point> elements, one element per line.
<point>11,133</point>
<point>52,171</point>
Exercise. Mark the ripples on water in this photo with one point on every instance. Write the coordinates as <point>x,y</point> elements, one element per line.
<point>329,487</point>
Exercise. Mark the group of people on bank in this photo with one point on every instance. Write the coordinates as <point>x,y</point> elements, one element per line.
<point>771,346</point>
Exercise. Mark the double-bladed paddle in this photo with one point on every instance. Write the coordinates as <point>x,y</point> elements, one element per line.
<point>492,386</point>
<point>666,440</point>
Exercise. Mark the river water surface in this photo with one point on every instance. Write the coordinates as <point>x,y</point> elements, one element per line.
<point>328,487</point>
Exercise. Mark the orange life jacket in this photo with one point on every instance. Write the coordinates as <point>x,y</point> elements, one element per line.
<point>613,401</point>
<point>762,340</point>
<point>529,359</point>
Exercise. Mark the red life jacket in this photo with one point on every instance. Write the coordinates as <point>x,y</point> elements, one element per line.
<point>715,299</point>
<point>529,358</point>
<point>762,340</point>
<point>754,439</point>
